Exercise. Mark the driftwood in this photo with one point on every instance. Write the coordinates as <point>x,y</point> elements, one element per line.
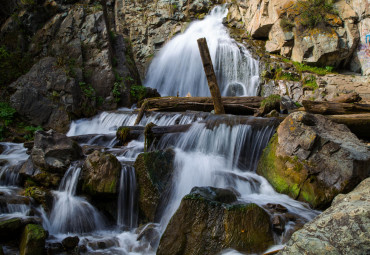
<point>359,124</point>
<point>333,108</point>
<point>232,105</point>
<point>211,76</point>
<point>347,98</point>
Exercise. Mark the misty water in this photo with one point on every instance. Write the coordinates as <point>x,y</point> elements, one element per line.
<point>220,151</point>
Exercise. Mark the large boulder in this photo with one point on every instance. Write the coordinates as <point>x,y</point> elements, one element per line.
<point>344,228</point>
<point>204,226</point>
<point>153,174</point>
<point>12,228</point>
<point>33,240</point>
<point>100,174</point>
<point>313,159</point>
<point>54,152</point>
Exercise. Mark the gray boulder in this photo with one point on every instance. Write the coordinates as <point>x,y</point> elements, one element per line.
<point>344,228</point>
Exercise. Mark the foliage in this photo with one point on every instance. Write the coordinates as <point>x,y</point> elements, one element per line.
<point>286,24</point>
<point>138,92</point>
<point>6,117</point>
<point>270,100</point>
<point>312,13</point>
<point>12,65</point>
<point>30,131</point>
<point>281,75</point>
<point>313,69</point>
<point>310,82</point>
<point>87,90</point>
<point>117,91</point>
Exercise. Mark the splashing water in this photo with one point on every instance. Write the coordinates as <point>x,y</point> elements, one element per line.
<point>71,213</point>
<point>178,66</point>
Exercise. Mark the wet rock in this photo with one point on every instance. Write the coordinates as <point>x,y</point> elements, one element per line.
<point>33,240</point>
<point>41,196</point>
<point>215,194</point>
<point>10,228</point>
<point>344,228</point>
<point>278,224</point>
<point>201,226</point>
<point>1,250</point>
<point>149,233</point>
<point>100,174</point>
<point>153,173</point>
<point>53,152</point>
<point>71,242</point>
<point>313,159</point>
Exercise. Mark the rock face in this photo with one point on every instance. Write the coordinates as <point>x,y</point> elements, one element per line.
<point>33,240</point>
<point>203,226</point>
<point>46,96</point>
<point>313,159</point>
<point>100,174</point>
<point>344,228</point>
<point>153,173</point>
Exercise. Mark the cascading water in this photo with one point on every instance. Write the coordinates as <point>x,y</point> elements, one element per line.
<point>127,211</point>
<point>178,66</point>
<point>11,159</point>
<point>71,213</point>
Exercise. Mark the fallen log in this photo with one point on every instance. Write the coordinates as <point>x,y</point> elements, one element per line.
<point>347,98</point>
<point>359,124</point>
<point>232,105</point>
<point>333,108</point>
<point>126,134</point>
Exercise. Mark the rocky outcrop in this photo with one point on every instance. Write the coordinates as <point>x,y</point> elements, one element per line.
<point>33,240</point>
<point>204,226</point>
<point>313,159</point>
<point>153,174</point>
<point>47,96</point>
<point>100,174</point>
<point>344,228</point>
<point>12,228</point>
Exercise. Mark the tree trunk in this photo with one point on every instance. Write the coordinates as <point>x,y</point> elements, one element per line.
<point>211,76</point>
<point>359,124</point>
<point>347,98</point>
<point>333,108</point>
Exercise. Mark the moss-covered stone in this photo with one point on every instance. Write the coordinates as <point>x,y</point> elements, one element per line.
<point>149,138</point>
<point>10,228</point>
<point>101,174</point>
<point>122,134</point>
<point>309,160</point>
<point>201,226</point>
<point>153,171</point>
<point>33,240</point>
<point>41,196</point>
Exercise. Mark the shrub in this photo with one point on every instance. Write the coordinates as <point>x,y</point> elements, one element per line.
<point>138,92</point>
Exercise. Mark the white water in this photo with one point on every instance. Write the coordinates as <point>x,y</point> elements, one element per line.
<point>178,66</point>
<point>11,159</point>
<point>72,214</point>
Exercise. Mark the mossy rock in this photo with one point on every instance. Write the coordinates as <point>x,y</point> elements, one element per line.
<point>41,196</point>
<point>100,174</point>
<point>312,159</point>
<point>201,226</point>
<point>33,240</point>
<point>153,171</point>
<point>10,228</point>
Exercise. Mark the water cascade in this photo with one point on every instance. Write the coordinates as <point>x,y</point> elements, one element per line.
<point>178,66</point>
<point>71,213</point>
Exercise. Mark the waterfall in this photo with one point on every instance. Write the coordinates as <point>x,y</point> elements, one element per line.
<point>72,214</point>
<point>178,66</point>
<point>10,162</point>
<point>127,211</point>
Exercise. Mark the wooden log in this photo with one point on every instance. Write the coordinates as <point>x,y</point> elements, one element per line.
<point>347,98</point>
<point>211,76</point>
<point>332,108</point>
<point>232,105</point>
<point>359,124</point>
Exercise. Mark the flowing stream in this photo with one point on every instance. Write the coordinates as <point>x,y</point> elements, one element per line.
<point>220,151</point>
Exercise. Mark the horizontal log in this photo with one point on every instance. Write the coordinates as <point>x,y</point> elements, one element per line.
<point>359,124</point>
<point>347,98</point>
<point>333,108</point>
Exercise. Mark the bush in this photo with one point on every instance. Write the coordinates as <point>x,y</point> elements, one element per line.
<point>138,92</point>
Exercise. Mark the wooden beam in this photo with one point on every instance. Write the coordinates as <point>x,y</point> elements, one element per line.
<point>211,76</point>
<point>333,108</point>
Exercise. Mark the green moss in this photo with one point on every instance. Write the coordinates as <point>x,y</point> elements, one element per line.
<point>310,83</point>
<point>33,240</point>
<point>149,137</point>
<point>122,134</point>
<point>270,101</point>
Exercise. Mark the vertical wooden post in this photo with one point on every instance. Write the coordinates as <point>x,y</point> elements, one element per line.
<point>211,76</point>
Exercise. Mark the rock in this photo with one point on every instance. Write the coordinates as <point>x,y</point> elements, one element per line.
<point>10,228</point>
<point>46,96</point>
<point>215,194</point>
<point>70,242</point>
<point>313,159</point>
<point>279,40</point>
<point>149,233</point>
<point>344,228</point>
<point>1,250</point>
<point>33,240</point>
<point>201,226</point>
<point>54,152</point>
<point>100,174</point>
<point>41,196</point>
<point>153,173</point>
